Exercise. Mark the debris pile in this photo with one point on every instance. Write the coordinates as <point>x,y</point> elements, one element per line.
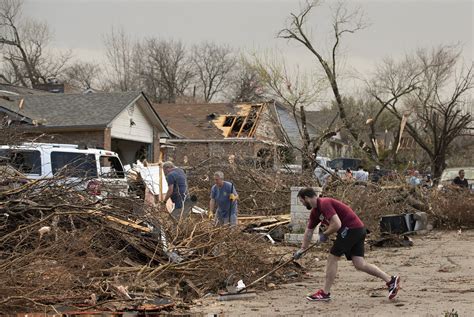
<point>451,208</point>
<point>371,201</point>
<point>261,191</point>
<point>62,249</point>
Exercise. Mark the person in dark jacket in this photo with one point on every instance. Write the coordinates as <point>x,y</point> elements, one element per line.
<point>460,180</point>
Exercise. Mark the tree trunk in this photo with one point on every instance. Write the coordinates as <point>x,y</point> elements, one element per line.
<point>437,166</point>
<point>305,157</point>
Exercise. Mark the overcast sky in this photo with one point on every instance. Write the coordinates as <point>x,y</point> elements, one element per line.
<point>396,26</point>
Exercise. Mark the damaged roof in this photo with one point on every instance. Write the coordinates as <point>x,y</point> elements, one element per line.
<point>202,121</point>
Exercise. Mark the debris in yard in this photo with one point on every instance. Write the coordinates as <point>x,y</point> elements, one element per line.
<point>391,241</point>
<point>60,246</point>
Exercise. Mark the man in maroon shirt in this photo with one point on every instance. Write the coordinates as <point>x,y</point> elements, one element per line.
<point>341,219</point>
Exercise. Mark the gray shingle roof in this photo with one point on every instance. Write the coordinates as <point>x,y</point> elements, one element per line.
<point>69,110</point>
<point>22,90</point>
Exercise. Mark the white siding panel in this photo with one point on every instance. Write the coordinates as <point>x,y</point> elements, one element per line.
<point>142,131</point>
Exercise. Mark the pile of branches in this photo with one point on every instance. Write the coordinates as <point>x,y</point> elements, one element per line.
<point>452,208</point>
<point>261,191</point>
<point>446,209</point>
<point>62,247</point>
<point>372,201</point>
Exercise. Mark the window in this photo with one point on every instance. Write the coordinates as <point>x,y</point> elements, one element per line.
<point>74,164</point>
<point>110,167</point>
<point>25,161</point>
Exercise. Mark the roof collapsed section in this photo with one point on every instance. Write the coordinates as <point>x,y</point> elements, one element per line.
<point>240,125</point>
<point>217,121</point>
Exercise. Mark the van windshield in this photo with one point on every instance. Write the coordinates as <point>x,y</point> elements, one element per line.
<point>110,167</point>
<point>24,161</point>
<point>73,164</point>
<point>345,163</point>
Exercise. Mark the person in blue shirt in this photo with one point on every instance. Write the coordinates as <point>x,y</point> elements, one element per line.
<point>177,188</point>
<point>223,197</point>
<point>414,179</point>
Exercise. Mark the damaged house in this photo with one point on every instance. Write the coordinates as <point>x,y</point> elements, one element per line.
<point>242,131</point>
<point>317,122</point>
<point>261,134</point>
<point>123,122</point>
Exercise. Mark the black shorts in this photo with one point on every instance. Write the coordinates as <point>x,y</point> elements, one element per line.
<point>352,244</point>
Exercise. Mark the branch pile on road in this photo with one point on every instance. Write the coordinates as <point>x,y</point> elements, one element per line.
<point>63,250</point>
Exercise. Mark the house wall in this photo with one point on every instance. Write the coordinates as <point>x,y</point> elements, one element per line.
<point>91,139</point>
<point>266,127</point>
<point>141,131</point>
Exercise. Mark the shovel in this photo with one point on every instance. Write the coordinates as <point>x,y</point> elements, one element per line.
<point>234,293</point>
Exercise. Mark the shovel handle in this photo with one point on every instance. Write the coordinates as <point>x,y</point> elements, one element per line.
<point>277,268</point>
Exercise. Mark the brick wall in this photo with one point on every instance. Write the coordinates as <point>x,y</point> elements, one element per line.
<point>195,152</point>
<point>93,139</point>
<point>107,139</point>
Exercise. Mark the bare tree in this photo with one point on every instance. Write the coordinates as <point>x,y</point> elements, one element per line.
<point>120,50</point>
<point>213,64</point>
<point>296,91</point>
<point>82,74</point>
<point>392,81</point>
<point>27,59</point>
<point>344,22</point>
<point>434,111</point>
<point>246,84</point>
<point>171,65</point>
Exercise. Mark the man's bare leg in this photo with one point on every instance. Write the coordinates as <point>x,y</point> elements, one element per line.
<point>331,272</point>
<point>361,265</point>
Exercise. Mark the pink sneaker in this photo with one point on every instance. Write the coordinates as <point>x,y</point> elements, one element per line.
<point>319,296</point>
<point>393,286</point>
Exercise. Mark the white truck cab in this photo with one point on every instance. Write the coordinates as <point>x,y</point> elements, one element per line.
<point>100,170</point>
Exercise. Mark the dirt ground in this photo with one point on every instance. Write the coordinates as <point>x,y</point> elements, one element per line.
<point>437,275</point>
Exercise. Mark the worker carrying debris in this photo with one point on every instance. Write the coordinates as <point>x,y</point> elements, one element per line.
<point>223,196</point>
<point>177,189</point>
<point>341,219</point>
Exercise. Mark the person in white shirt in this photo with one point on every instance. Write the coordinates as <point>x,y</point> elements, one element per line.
<point>361,175</point>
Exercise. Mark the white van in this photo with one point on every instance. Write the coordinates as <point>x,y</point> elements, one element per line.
<point>100,172</point>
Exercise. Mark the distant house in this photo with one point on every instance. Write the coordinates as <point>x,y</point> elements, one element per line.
<point>317,122</point>
<point>124,122</point>
<point>241,131</point>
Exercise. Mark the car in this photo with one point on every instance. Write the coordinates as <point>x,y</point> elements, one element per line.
<point>449,174</point>
<point>343,163</point>
<point>99,172</point>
